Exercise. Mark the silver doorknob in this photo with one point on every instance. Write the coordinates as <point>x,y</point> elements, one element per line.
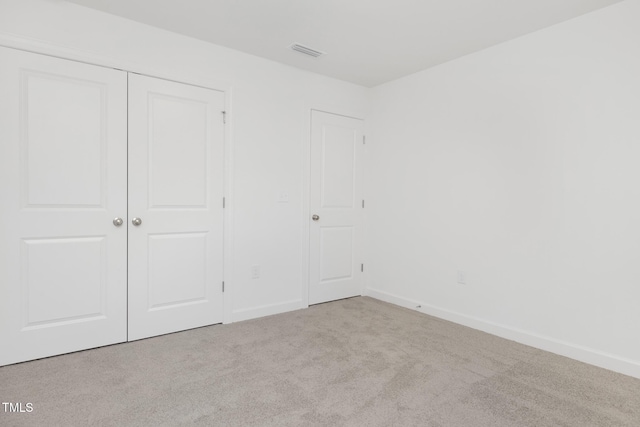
<point>136,221</point>
<point>315,217</point>
<point>118,222</point>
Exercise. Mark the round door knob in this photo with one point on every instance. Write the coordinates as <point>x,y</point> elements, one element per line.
<point>118,222</point>
<point>136,221</point>
<point>315,217</point>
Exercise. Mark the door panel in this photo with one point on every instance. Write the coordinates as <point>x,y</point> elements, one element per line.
<point>62,182</point>
<point>49,167</point>
<point>76,267</point>
<point>177,258</point>
<point>336,197</point>
<point>338,167</point>
<point>336,253</point>
<point>176,145</point>
<point>177,154</point>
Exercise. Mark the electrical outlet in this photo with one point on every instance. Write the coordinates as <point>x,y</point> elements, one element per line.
<point>462,277</point>
<point>255,271</point>
<point>283,197</point>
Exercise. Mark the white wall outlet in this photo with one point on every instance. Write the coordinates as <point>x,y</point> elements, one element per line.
<point>255,271</point>
<point>462,277</point>
<point>283,197</point>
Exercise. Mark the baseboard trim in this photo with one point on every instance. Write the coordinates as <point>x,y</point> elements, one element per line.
<point>562,348</point>
<point>266,310</point>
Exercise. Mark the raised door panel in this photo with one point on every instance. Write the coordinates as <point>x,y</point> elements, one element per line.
<point>336,253</point>
<point>63,181</point>
<point>64,280</point>
<point>178,137</point>
<point>177,258</point>
<point>176,141</point>
<point>53,177</point>
<point>338,168</point>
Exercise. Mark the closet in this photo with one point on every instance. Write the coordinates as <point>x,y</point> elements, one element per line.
<point>111,219</point>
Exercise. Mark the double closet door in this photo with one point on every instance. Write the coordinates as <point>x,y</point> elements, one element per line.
<point>111,223</point>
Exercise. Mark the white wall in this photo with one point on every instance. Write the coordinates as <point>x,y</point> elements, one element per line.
<point>520,165</point>
<point>269,121</point>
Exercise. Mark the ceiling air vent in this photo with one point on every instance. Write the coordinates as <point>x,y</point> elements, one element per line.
<point>306,50</point>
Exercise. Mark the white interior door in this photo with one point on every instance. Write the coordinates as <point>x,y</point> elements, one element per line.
<point>336,207</point>
<point>176,140</point>
<point>63,156</point>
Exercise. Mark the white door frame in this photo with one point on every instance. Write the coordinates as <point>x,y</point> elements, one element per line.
<point>305,245</point>
<point>64,52</point>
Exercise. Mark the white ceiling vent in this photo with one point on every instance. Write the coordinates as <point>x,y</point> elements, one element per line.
<point>306,50</point>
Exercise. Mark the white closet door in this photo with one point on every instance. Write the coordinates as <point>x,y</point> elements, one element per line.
<point>336,207</point>
<point>63,159</point>
<point>176,137</point>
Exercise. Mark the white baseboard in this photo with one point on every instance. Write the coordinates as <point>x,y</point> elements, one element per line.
<point>573,351</point>
<point>266,310</point>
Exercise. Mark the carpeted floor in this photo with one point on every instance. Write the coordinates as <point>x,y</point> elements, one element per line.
<point>355,362</point>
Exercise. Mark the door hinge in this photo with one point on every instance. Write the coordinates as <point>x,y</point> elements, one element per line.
<point>223,286</point>
<point>364,139</point>
<point>223,203</point>
<point>362,268</point>
<point>363,204</point>
<point>224,117</point>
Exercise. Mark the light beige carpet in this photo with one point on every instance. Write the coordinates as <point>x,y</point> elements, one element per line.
<point>355,362</point>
